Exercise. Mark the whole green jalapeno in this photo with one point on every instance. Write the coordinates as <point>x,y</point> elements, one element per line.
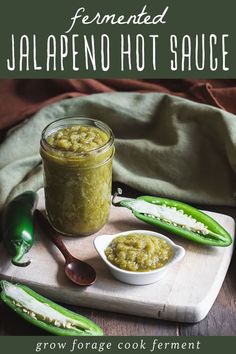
<point>45,313</point>
<point>18,226</point>
<point>178,218</point>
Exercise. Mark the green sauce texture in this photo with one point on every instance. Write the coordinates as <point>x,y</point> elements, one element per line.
<point>79,138</point>
<point>78,176</point>
<point>139,252</point>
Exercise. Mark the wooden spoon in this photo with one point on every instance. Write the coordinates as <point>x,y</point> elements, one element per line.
<point>79,272</point>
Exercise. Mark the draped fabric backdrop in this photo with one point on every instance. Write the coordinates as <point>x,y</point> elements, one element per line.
<point>165,145</point>
<point>21,98</point>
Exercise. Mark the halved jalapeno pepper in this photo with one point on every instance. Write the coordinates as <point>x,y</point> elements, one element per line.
<point>178,218</point>
<point>45,313</point>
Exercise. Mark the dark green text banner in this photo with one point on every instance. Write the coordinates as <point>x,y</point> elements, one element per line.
<point>116,345</point>
<point>141,38</point>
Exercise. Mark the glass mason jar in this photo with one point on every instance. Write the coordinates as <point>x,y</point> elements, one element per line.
<point>77,184</point>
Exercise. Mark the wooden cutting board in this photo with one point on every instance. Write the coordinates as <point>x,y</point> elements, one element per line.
<point>185,294</point>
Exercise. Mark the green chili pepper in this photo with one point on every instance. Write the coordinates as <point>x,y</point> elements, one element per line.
<point>18,226</point>
<point>178,218</point>
<point>46,314</point>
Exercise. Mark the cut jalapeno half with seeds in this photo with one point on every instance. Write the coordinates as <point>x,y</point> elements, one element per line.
<point>46,314</point>
<point>178,218</point>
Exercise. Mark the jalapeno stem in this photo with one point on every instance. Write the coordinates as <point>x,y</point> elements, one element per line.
<point>123,202</point>
<point>115,195</point>
<point>20,251</point>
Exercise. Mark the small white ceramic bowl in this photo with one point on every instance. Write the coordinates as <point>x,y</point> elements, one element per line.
<point>137,278</point>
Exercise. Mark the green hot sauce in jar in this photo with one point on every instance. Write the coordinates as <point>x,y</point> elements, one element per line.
<point>77,158</point>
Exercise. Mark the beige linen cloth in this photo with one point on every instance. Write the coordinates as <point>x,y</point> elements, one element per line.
<point>165,146</point>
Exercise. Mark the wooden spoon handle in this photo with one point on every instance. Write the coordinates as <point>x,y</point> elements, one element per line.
<point>48,229</point>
